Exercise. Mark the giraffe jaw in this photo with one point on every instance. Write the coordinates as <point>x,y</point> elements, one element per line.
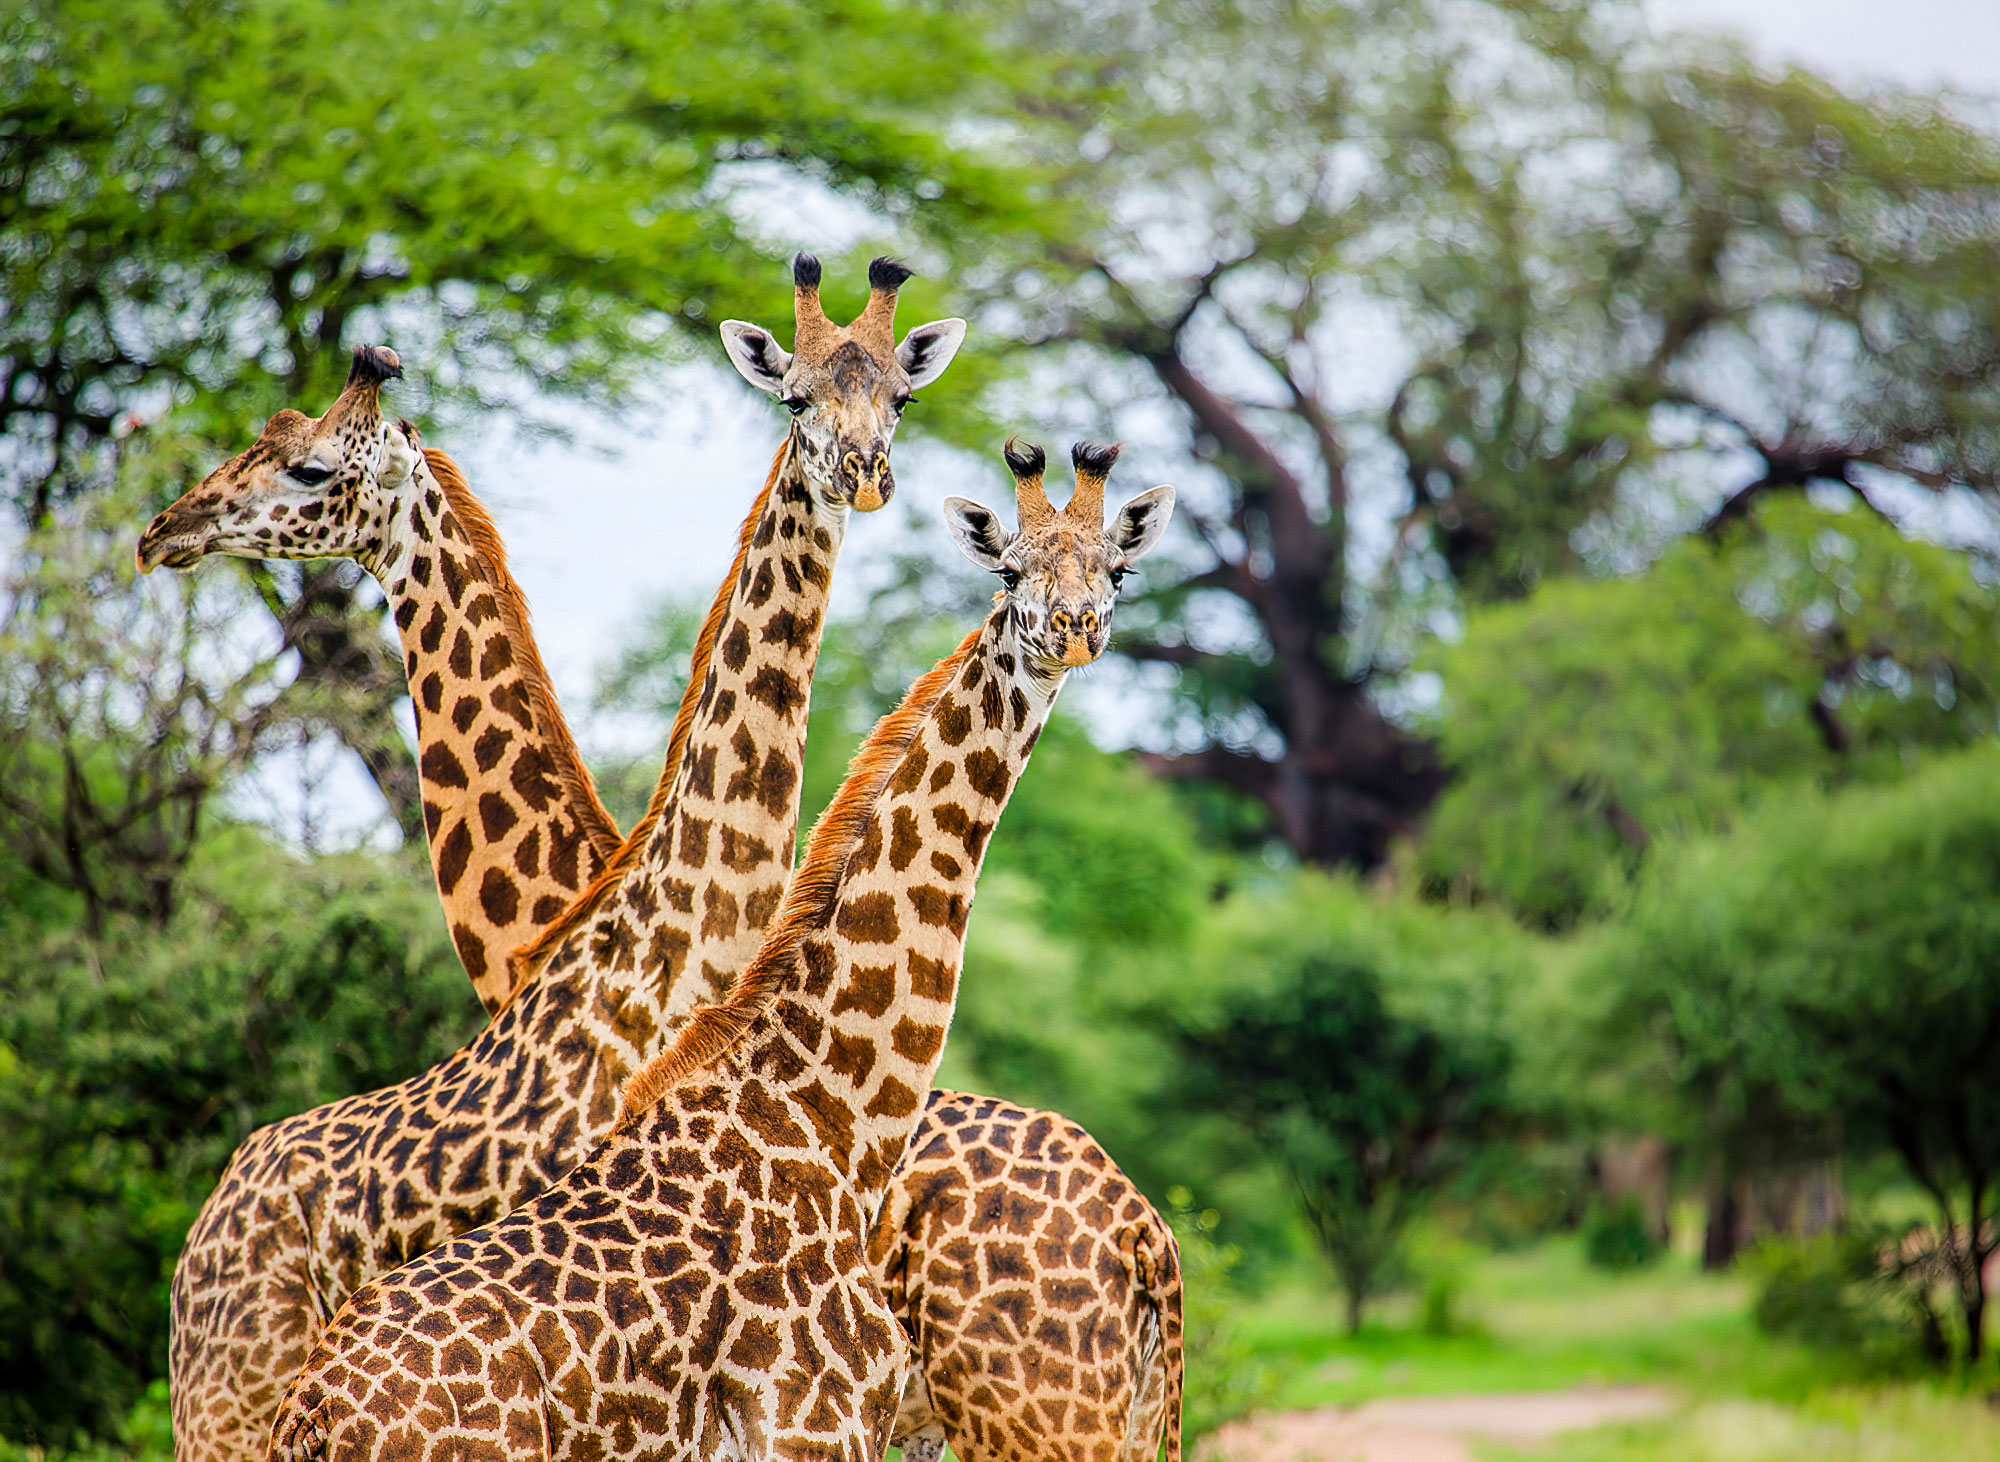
<point>176,550</point>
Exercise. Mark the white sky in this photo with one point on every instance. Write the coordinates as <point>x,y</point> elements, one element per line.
<point>646,505</point>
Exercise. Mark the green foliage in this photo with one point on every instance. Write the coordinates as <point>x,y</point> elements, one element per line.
<point>123,706</point>
<point>203,202</point>
<point>1225,1376</point>
<point>1597,718</point>
<point>131,1066</point>
<point>1840,1291</point>
<point>1617,1235</point>
<point>1368,1094</point>
<point>1829,973</point>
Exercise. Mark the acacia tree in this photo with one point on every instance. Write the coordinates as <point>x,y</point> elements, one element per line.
<point>1367,1108</point>
<point>201,205</point>
<point>1599,718</point>
<point>1828,976</point>
<point>1433,301</point>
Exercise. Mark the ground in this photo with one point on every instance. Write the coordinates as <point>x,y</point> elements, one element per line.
<point>1544,1357</point>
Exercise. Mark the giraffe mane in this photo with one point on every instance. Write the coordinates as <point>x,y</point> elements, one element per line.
<point>530,956</point>
<point>714,1030</point>
<point>579,790</point>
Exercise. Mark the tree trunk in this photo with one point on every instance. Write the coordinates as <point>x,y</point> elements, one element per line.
<point>1718,1236</point>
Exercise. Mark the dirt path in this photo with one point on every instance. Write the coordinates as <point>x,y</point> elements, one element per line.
<point>1429,1428</point>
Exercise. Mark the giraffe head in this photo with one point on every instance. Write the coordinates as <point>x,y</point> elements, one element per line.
<point>1059,574</point>
<point>307,488</point>
<point>846,388</point>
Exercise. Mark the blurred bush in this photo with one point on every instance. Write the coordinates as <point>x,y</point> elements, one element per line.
<point>1618,1235</point>
<point>1846,1291</point>
<point>133,1063</point>
<point>1225,1376</point>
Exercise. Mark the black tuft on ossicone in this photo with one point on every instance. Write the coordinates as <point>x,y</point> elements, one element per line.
<point>374,364</point>
<point>1024,459</point>
<point>1094,458</point>
<point>887,273</point>
<point>805,270</point>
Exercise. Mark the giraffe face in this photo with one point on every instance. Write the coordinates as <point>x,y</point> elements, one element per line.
<point>845,388</point>
<point>307,488</point>
<point>1060,572</point>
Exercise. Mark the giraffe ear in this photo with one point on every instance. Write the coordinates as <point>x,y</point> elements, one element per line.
<point>928,349</point>
<point>977,531</point>
<point>761,360</point>
<point>1139,524</point>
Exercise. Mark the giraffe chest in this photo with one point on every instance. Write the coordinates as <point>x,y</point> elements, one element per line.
<point>695,1296</point>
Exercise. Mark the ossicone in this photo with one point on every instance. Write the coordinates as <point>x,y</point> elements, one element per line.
<point>805,270</point>
<point>1094,459</point>
<point>1024,459</point>
<point>374,364</point>
<point>888,274</point>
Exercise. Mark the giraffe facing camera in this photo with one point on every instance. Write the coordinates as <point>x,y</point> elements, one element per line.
<point>846,387</point>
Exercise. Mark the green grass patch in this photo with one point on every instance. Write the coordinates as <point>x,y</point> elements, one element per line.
<point>1542,1318</point>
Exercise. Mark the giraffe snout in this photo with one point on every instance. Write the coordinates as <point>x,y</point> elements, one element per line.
<point>176,538</point>
<point>1078,635</point>
<point>867,485</point>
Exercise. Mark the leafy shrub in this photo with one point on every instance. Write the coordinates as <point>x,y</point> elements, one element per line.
<point>1617,1235</point>
<point>1225,1377</point>
<point>131,1066</point>
<point>1839,1292</point>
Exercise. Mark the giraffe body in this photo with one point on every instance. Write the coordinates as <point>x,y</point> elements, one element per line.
<point>312,1206</point>
<point>700,1284</point>
<point>1040,1291</point>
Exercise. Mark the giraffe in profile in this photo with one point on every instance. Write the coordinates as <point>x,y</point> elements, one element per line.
<point>311,1207</point>
<point>512,816</point>
<point>699,1286</point>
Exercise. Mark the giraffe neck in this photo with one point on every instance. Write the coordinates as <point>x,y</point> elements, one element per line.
<point>854,992</point>
<point>683,905</point>
<point>512,816</point>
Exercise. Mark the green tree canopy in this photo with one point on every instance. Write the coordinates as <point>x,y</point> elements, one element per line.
<point>1423,304</point>
<point>1594,718</point>
<point>1827,976</point>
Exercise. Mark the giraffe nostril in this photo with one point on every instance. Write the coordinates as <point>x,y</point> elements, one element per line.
<point>1089,621</point>
<point>1060,621</point>
<point>851,463</point>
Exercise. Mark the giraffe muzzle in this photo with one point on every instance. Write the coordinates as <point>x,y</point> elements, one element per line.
<point>868,487</point>
<point>174,540</point>
<point>1078,635</point>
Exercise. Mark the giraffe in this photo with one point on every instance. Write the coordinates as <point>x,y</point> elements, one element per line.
<point>699,1286</point>
<point>1040,1290</point>
<point>489,829</point>
<point>310,1207</point>
<point>511,814</point>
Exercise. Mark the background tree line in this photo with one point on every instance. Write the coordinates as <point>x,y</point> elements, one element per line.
<point>1571,695</point>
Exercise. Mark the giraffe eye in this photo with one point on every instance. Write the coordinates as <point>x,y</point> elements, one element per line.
<point>308,475</point>
<point>795,404</point>
<point>1118,578</point>
<point>1008,579</point>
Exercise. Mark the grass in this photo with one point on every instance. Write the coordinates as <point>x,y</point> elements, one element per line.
<point>1543,1319</point>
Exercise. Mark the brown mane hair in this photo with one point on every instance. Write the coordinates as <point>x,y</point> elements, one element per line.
<point>531,955</point>
<point>578,788</point>
<point>715,1029</point>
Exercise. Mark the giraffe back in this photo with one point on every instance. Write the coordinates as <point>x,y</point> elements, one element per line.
<point>1040,1290</point>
